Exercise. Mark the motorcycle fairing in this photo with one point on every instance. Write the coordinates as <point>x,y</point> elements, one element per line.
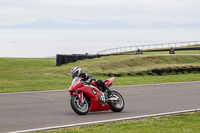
<point>109,82</point>
<point>95,104</point>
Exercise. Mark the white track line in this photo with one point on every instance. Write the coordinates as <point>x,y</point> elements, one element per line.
<point>104,121</point>
<point>111,87</point>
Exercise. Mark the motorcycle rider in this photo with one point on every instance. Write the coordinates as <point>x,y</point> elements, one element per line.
<point>77,72</point>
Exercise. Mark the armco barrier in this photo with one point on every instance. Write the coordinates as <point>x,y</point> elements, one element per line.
<point>65,59</point>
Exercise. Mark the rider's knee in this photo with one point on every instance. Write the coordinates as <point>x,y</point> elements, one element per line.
<point>100,83</point>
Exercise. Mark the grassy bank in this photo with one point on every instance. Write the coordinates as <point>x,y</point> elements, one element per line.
<point>181,123</point>
<point>176,52</point>
<point>132,64</point>
<point>24,74</point>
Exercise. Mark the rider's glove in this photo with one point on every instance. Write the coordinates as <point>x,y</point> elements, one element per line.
<point>88,81</point>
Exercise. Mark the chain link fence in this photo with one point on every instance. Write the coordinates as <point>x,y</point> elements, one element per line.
<point>147,47</point>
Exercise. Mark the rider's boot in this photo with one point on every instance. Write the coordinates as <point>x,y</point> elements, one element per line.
<point>110,93</point>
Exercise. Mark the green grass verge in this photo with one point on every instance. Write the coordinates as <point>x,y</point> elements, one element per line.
<point>24,74</point>
<point>181,123</point>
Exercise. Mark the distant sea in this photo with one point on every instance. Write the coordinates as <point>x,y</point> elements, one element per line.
<point>34,43</point>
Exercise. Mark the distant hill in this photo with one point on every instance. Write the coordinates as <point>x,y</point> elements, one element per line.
<point>48,23</point>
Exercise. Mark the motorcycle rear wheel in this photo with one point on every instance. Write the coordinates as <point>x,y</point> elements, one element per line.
<point>78,107</point>
<point>117,106</point>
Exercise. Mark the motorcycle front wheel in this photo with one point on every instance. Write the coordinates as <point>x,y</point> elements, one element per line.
<point>79,107</point>
<point>118,105</point>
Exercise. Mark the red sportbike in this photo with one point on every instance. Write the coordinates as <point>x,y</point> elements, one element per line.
<point>89,97</point>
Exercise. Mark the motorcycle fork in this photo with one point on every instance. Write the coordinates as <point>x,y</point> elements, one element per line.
<point>80,96</point>
<point>82,100</point>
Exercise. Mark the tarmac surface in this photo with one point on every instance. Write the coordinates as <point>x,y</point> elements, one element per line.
<point>30,110</point>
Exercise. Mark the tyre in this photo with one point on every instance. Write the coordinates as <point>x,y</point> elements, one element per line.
<point>78,107</point>
<point>75,57</point>
<point>68,58</point>
<point>117,106</point>
<point>60,60</point>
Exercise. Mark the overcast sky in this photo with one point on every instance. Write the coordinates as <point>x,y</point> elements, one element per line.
<point>127,12</point>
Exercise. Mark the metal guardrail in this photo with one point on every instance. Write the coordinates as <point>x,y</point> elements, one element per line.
<point>147,47</point>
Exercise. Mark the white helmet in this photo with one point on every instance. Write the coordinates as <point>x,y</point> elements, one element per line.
<point>76,71</point>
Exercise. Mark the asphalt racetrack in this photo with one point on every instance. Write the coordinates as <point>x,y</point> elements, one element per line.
<point>31,110</point>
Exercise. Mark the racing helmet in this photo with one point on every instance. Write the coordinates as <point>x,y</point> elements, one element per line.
<point>76,71</point>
